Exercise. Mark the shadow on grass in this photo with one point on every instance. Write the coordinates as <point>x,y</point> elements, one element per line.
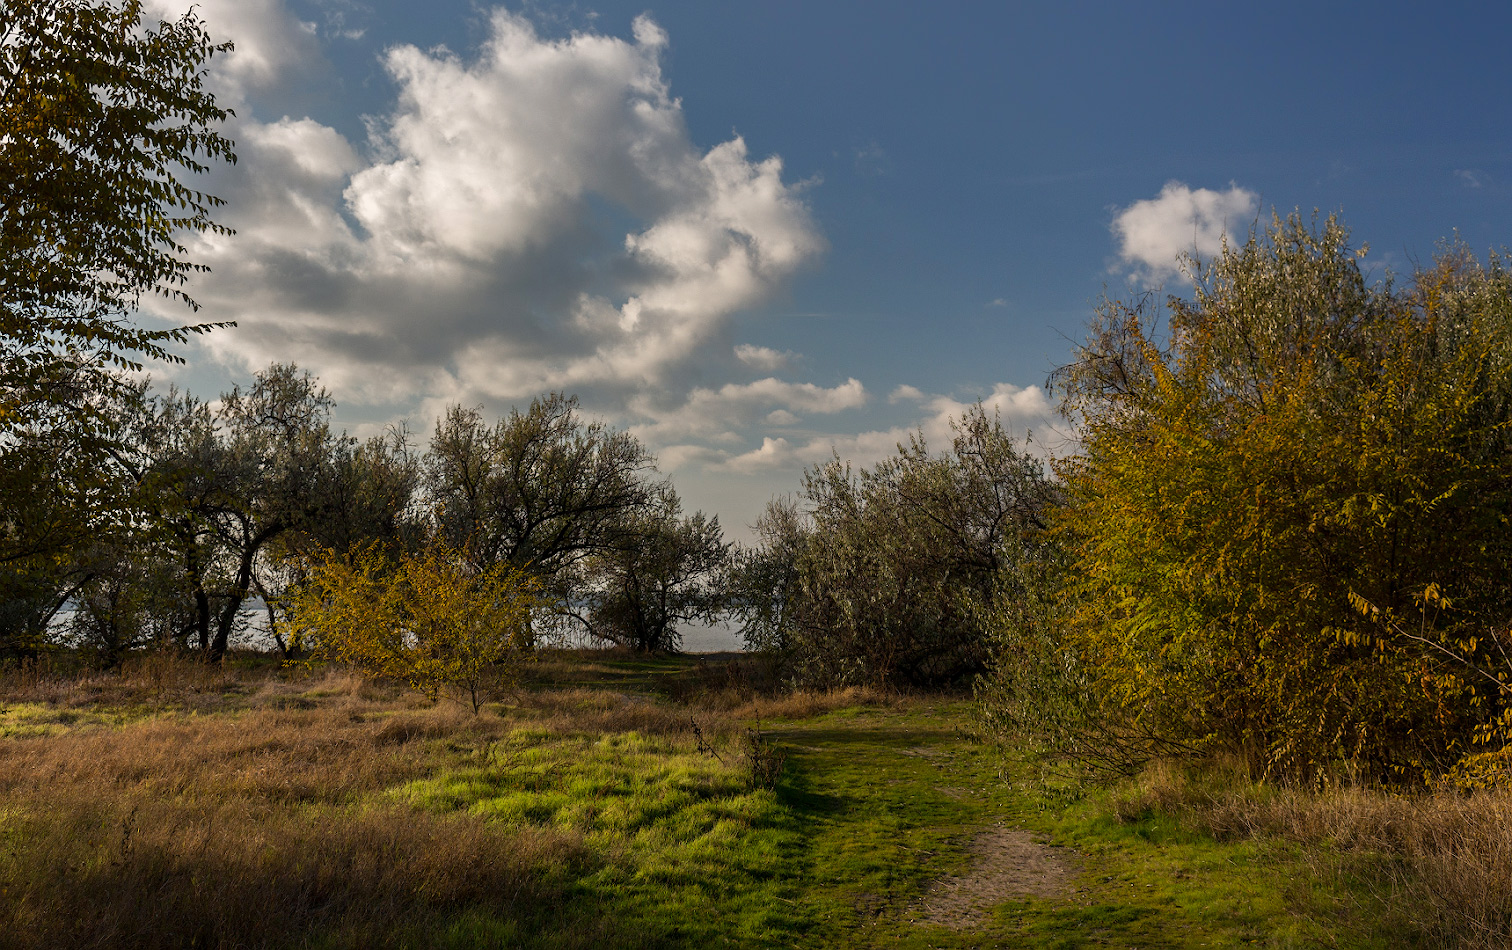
<point>159,876</point>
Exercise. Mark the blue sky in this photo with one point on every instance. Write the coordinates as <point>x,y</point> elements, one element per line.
<point>755,234</point>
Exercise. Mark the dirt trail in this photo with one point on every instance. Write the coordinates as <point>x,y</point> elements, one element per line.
<point>1007,863</point>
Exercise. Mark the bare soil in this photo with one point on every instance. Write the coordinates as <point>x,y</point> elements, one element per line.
<point>1008,864</point>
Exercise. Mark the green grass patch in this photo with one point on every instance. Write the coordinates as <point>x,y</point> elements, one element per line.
<point>875,806</point>
<point>593,817</point>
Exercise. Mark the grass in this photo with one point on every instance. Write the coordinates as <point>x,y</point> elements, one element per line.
<point>173,806</point>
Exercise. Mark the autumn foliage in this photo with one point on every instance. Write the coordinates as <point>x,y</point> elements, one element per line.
<point>1285,536</point>
<point>429,619</point>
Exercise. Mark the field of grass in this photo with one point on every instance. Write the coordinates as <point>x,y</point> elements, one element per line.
<point>611,802</point>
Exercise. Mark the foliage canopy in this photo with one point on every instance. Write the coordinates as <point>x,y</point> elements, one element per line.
<point>1299,444</point>
<point>878,576</point>
<point>103,119</point>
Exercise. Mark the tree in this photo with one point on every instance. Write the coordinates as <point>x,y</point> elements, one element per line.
<point>373,496</point>
<point>430,619</point>
<point>102,121</point>
<point>60,502</point>
<point>370,496</point>
<point>664,572</point>
<point>881,579</point>
<point>1300,442</point>
<point>230,491</point>
<point>129,597</point>
<point>762,582</point>
<point>103,117</point>
<point>180,465</point>
<point>218,505</point>
<point>541,490</point>
<point>276,460</point>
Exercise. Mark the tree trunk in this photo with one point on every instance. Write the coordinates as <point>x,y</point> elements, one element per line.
<point>234,599</point>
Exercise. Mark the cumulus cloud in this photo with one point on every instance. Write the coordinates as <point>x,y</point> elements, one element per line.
<point>476,248</point>
<point>1022,409</point>
<point>764,357</point>
<point>717,412</point>
<point>1153,234</point>
<point>273,47</point>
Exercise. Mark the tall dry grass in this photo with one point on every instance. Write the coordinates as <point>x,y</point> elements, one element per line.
<point>82,871</point>
<point>1440,861</point>
<point>148,678</point>
<point>256,827</point>
<point>245,806</point>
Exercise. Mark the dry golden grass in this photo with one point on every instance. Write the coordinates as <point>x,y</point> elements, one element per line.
<point>148,679</point>
<point>256,827</point>
<point>803,704</point>
<point>82,871</point>
<point>598,711</point>
<point>1440,859</point>
<point>250,806</point>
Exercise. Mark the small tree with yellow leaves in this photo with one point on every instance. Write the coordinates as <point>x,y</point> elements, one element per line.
<point>429,619</point>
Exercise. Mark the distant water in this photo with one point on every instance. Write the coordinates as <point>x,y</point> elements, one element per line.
<point>720,638</point>
<point>696,638</point>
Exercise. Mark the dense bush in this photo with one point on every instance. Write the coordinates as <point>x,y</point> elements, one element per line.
<point>1285,535</point>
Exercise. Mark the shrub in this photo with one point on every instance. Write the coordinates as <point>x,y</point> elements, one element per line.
<point>1276,502</point>
<point>429,619</point>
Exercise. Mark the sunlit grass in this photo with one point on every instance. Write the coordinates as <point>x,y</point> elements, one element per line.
<point>586,814</point>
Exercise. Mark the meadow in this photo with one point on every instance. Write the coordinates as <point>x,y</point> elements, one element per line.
<point>620,801</point>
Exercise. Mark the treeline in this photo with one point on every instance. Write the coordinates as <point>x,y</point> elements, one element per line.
<point>178,514</point>
<point>1282,537</point>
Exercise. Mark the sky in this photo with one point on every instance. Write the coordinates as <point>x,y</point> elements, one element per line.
<point>759,235</point>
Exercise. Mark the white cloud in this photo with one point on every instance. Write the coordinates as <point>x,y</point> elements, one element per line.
<point>764,357</point>
<point>1154,234</point>
<point>1471,177</point>
<point>273,47</point>
<point>1022,409</point>
<point>716,412</point>
<point>773,453</point>
<point>470,256</point>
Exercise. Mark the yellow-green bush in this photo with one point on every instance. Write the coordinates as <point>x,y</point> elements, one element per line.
<point>1286,528</point>
<point>429,619</point>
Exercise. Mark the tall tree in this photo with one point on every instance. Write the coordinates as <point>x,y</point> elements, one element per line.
<point>541,490</point>
<point>278,454</point>
<point>103,118</point>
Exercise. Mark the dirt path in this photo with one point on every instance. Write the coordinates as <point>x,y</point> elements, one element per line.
<point>1007,863</point>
